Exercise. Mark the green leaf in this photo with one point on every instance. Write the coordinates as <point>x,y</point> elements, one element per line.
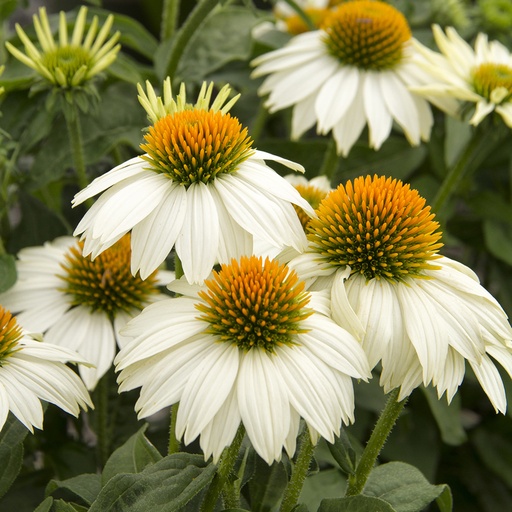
<point>498,239</point>
<point>164,486</point>
<point>63,506</point>
<point>395,158</point>
<point>133,34</point>
<point>45,505</point>
<point>132,457</point>
<point>38,224</point>
<point>355,504</point>
<point>328,483</point>
<point>458,134</point>
<point>495,450</point>
<point>119,120</point>
<point>445,501</point>
<point>225,36</point>
<point>8,272</point>
<point>84,488</point>
<point>267,486</point>
<point>343,453</point>
<point>448,417</point>
<point>11,451</point>
<point>402,486</point>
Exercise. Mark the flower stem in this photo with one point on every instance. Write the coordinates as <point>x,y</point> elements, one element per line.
<point>226,464</point>
<point>101,420</point>
<point>302,15</point>
<point>75,138</point>
<point>196,17</point>
<point>299,472</point>
<point>482,143</point>
<point>330,162</point>
<point>380,433</point>
<point>170,11</point>
<point>174,444</point>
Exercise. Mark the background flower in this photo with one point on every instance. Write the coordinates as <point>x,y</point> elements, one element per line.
<point>482,76</point>
<point>355,71</point>
<point>78,303</point>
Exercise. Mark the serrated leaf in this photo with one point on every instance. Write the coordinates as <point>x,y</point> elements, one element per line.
<point>132,457</point>
<point>402,486</point>
<point>84,487</point>
<point>161,487</point>
<point>12,436</point>
<point>355,504</point>
<point>8,272</point>
<point>447,416</point>
<point>343,452</point>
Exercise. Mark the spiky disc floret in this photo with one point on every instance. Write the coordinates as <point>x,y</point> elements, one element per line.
<point>106,283</point>
<point>378,226</point>
<point>366,34</point>
<point>254,304</point>
<point>196,145</point>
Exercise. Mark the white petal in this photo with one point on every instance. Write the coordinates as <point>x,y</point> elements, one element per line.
<point>401,105</point>
<point>263,403</point>
<point>154,237</point>
<point>197,244</point>
<point>347,130</point>
<point>335,97</point>
<point>490,380</point>
<point>207,389</point>
<point>379,117</point>
<point>123,171</point>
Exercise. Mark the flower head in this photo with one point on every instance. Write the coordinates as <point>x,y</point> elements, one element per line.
<point>70,61</point>
<point>374,244</point>
<point>250,346</point>
<point>355,70</point>
<point>200,187</point>
<point>79,303</point>
<point>481,76</point>
<point>31,371</point>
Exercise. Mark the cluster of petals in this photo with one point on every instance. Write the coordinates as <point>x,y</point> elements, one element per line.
<point>421,330</point>
<point>35,371</point>
<point>173,358</point>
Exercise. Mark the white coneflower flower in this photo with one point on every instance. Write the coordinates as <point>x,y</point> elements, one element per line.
<point>31,371</point>
<point>200,188</point>
<point>69,61</point>
<point>355,70</point>
<point>374,244</point>
<point>250,346</point>
<point>79,303</point>
<point>482,76</point>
